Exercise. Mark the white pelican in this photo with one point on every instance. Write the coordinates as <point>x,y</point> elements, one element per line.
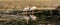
<point>29,9</point>
<point>33,8</point>
<point>26,9</point>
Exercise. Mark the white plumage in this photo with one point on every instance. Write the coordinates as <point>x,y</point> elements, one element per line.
<point>33,8</point>
<point>26,9</point>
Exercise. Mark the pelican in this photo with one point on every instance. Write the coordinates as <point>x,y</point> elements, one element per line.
<point>26,9</point>
<point>33,8</point>
<point>29,9</point>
